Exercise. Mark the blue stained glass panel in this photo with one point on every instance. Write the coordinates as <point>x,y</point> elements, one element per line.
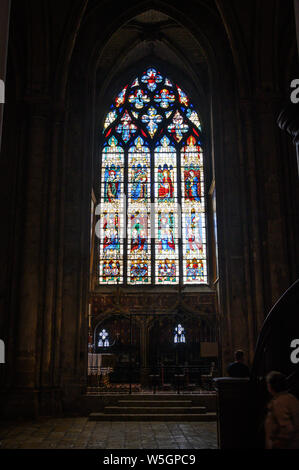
<point>126,128</point>
<point>152,78</point>
<point>139,98</point>
<point>152,119</point>
<point>165,99</point>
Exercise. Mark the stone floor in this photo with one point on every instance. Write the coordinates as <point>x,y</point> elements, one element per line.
<point>79,433</point>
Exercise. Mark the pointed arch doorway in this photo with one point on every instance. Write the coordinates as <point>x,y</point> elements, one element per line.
<point>152,218</point>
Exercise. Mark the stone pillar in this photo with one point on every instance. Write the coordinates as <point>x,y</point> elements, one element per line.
<point>34,341</point>
<point>253,272</point>
<point>235,405</point>
<point>4,27</point>
<point>50,316</point>
<point>22,399</point>
<point>276,263</point>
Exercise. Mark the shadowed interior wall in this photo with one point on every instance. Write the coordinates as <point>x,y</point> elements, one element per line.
<point>4,27</point>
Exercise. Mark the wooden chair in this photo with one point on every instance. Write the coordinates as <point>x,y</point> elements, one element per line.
<point>207,379</point>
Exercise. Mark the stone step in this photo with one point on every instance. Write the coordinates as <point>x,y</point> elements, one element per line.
<point>155,396</point>
<point>154,410</point>
<point>96,404</point>
<point>204,417</point>
<point>149,403</point>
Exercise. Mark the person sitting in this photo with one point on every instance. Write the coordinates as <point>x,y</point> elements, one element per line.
<point>282,421</point>
<point>238,369</point>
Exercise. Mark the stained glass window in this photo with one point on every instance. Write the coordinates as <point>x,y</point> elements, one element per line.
<point>139,198</point>
<point>193,214</point>
<point>152,204</point>
<point>179,335</point>
<point>112,213</point>
<point>166,213</point>
<point>103,341</point>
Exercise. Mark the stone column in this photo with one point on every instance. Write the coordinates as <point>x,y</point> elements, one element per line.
<point>4,27</point>
<point>34,386</point>
<point>22,399</point>
<point>273,220</point>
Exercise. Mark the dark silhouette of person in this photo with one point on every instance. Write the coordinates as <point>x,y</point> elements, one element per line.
<point>238,369</point>
<point>282,421</point>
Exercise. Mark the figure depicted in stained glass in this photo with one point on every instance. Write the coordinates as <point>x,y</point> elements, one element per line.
<point>167,271</point>
<point>112,183</point>
<point>139,271</point>
<point>192,184</point>
<point>111,271</point>
<point>178,128</point>
<point>195,270</point>
<point>139,183</point>
<point>126,128</point>
<point>139,232</point>
<point>165,98</point>
<point>152,119</point>
<point>166,233</point>
<point>194,233</point>
<point>111,240</point>
<point>165,183</point>
<point>151,78</point>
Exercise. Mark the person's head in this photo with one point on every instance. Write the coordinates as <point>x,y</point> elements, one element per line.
<point>276,382</point>
<point>239,356</point>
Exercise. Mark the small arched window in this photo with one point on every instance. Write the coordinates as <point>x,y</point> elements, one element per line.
<point>179,335</point>
<point>103,339</point>
<point>152,226</point>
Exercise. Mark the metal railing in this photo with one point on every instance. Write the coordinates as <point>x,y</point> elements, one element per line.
<point>134,379</point>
